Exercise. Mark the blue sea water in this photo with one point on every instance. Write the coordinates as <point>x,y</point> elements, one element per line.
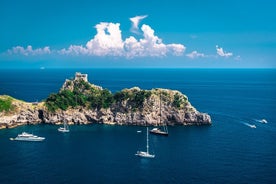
<point>228,151</point>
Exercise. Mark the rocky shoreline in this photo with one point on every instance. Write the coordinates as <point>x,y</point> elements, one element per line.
<point>174,107</point>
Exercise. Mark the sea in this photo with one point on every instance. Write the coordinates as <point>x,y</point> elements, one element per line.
<point>230,150</point>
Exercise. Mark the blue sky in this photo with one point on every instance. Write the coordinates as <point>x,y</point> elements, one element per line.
<point>137,34</point>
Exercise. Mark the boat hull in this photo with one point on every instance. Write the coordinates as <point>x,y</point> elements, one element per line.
<point>27,137</point>
<point>144,154</point>
<point>63,130</point>
<point>159,132</point>
<point>29,140</point>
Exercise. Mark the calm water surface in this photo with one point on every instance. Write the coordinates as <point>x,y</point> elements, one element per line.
<point>229,151</point>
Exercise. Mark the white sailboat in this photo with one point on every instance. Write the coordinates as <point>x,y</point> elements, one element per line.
<point>65,128</point>
<point>158,131</point>
<point>143,153</point>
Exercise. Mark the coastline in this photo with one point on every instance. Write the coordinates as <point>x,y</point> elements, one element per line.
<point>132,106</point>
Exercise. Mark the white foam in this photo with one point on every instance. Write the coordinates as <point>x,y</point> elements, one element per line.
<point>263,121</point>
<point>250,125</point>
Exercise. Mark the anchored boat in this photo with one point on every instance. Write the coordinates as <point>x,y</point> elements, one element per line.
<point>145,154</point>
<point>65,128</point>
<point>24,136</point>
<point>158,131</point>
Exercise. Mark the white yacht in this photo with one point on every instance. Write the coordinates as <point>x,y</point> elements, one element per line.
<point>145,154</point>
<point>62,129</point>
<point>27,137</point>
<point>65,128</point>
<point>157,131</point>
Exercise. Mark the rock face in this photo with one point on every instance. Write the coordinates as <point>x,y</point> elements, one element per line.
<point>157,106</point>
<point>22,113</point>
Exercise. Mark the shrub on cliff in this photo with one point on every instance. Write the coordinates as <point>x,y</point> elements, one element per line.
<point>6,104</point>
<point>100,99</point>
<point>82,95</point>
<point>135,98</point>
<point>179,101</point>
<point>139,98</point>
<point>63,100</point>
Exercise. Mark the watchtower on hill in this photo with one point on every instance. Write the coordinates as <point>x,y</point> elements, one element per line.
<point>79,76</point>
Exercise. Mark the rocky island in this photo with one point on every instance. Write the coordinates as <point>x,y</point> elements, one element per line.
<point>80,102</point>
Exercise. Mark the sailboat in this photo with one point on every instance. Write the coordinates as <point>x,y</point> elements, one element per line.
<point>143,153</point>
<point>158,131</point>
<point>65,128</point>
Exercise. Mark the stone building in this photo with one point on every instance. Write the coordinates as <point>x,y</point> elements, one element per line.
<point>79,76</point>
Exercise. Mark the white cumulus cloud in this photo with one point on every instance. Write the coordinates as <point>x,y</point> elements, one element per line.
<point>222,53</point>
<point>29,50</point>
<point>108,42</point>
<point>135,22</point>
<point>195,54</point>
<point>74,50</point>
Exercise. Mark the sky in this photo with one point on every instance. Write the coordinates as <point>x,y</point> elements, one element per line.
<point>137,34</point>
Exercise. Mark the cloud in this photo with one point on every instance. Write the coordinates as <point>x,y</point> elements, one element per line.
<point>135,22</point>
<point>150,45</point>
<point>73,50</point>
<point>195,54</point>
<point>29,51</point>
<point>108,42</point>
<point>222,53</point>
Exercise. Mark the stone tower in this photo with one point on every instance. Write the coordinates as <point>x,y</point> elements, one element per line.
<point>79,76</point>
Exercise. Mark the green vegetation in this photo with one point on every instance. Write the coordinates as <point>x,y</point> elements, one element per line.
<point>179,100</point>
<point>135,98</point>
<point>6,104</point>
<point>139,97</point>
<point>79,93</point>
<point>100,99</point>
<point>81,84</point>
<point>83,95</point>
<point>63,100</point>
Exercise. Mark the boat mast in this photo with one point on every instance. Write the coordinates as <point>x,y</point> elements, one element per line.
<point>147,140</point>
<point>160,109</point>
<point>165,128</point>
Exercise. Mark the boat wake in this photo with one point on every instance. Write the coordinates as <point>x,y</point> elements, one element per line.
<point>264,121</point>
<point>250,125</point>
<point>232,119</point>
<point>251,122</point>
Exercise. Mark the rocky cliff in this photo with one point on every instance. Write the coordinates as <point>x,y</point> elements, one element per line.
<point>79,102</point>
<point>20,112</point>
